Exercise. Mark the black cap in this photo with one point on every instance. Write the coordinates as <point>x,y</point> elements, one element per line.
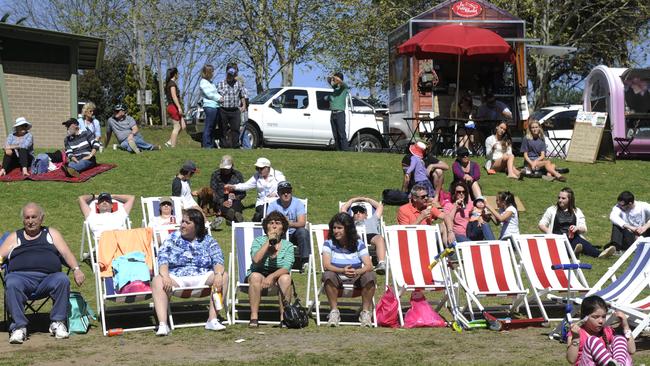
<point>358,208</point>
<point>462,151</point>
<point>104,197</point>
<point>119,107</point>
<point>69,122</point>
<point>284,186</point>
<point>189,166</point>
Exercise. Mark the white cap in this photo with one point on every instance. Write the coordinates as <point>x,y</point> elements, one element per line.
<point>262,163</point>
<point>20,121</point>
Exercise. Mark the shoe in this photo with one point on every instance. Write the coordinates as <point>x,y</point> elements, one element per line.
<point>561,178</point>
<point>253,323</point>
<point>578,249</point>
<point>156,147</point>
<point>168,144</point>
<point>239,217</point>
<point>365,318</point>
<point>305,265</point>
<point>71,172</point>
<point>58,330</point>
<point>521,176</point>
<point>618,253</point>
<point>381,268</point>
<point>548,178</point>
<point>607,252</point>
<point>133,146</point>
<point>216,224</point>
<point>562,170</point>
<point>491,172</point>
<point>334,318</point>
<point>163,330</point>
<point>18,336</point>
<point>214,325</point>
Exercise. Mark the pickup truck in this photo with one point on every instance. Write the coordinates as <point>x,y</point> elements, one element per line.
<point>300,116</point>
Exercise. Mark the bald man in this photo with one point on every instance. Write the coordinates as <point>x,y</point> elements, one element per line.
<point>33,255</point>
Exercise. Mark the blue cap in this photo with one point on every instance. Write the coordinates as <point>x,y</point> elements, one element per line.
<point>232,71</point>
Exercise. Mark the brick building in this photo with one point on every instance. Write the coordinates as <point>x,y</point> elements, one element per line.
<point>38,78</point>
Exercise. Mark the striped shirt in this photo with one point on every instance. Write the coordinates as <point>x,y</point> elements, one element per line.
<point>81,145</point>
<point>232,94</point>
<point>342,257</point>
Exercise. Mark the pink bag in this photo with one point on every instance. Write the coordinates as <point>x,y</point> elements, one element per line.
<point>387,315</point>
<point>135,286</point>
<point>421,315</point>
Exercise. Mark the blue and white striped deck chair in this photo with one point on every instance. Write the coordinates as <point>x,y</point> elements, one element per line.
<point>628,292</point>
<point>151,210</point>
<point>106,294</point>
<point>239,261</point>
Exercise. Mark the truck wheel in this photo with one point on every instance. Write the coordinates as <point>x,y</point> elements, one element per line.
<point>366,142</point>
<point>254,135</point>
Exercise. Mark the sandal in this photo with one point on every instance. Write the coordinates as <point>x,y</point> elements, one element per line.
<point>253,323</point>
<point>491,172</point>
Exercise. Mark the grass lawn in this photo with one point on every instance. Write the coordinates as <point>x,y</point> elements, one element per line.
<point>324,177</point>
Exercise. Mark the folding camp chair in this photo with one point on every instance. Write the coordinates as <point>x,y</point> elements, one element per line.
<point>488,268</point>
<point>320,233</point>
<point>371,211</point>
<point>125,241</point>
<point>239,261</point>
<point>87,234</point>
<point>537,253</point>
<point>411,249</point>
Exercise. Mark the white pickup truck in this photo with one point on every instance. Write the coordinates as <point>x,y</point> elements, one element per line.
<point>301,116</point>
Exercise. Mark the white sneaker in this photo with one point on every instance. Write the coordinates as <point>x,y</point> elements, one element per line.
<point>365,318</point>
<point>18,336</point>
<point>59,330</point>
<point>334,318</point>
<point>163,330</point>
<point>214,325</point>
<point>607,252</point>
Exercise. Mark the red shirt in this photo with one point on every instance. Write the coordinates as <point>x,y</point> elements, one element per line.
<point>407,214</point>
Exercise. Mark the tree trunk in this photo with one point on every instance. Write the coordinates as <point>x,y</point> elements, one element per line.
<point>287,74</point>
<point>161,92</point>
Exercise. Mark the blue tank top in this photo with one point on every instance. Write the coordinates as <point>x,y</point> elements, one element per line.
<point>36,255</point>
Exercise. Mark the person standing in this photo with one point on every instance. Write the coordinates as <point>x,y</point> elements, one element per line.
<point>174,108</point>
<point>234,104</point>
<point>211,100</point>
<point>338,101</point>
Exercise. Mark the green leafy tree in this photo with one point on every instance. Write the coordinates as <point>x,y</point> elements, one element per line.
<point>104,86</point>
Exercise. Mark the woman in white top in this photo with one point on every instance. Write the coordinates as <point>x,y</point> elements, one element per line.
<point>506,215</point>
<point>498,152</point>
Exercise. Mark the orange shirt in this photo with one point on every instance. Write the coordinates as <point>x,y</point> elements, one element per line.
<point>407,214</point>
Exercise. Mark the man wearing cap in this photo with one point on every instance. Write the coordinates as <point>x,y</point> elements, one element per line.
<point>338,102</point>
<point>414,168</point>
<point>80,148</point>
<point>181,185</point>
<point>266,181</point>
<point>104,217</point>
<point>33,255</point>
<point>126,131</point>
<point>19,148</point>
<point>295,212</point>
<point>226,201</point>
<point>371,224</point>
<point>234,101</point>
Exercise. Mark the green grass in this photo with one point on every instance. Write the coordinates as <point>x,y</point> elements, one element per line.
<point>325,178</point>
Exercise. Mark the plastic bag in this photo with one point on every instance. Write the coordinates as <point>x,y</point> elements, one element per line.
<point>387,315</point>
<point>421,314</point>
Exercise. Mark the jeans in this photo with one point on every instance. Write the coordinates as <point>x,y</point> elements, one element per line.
<point>337,120</point>
<point>82,165</point>
<point>210,122</point>
<point>139,141</point>
<point>23,286</point>
<point>476,232</point>
<point>230,120</point>
<point>243,136</point>
<point>587,248</point>
<point>300,238</point>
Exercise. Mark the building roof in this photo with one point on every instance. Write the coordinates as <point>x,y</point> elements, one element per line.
<point>90,50</point>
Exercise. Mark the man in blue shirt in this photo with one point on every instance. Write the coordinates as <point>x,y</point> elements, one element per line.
<point>294,210</point>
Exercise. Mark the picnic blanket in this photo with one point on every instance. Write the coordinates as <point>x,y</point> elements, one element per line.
<point>58,175</point>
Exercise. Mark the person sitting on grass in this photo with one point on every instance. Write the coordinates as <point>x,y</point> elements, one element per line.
<point>630,220</point>
<point>272,258</point>
<point>459,209</point>
<point>593,342</point>
<point>346,260</point>
<point>565,218</point>
<point>436,169</point>
<point>506,215</point>
<point>126,131</point>
<point>189,257</point>
<point>227,202</point>
<point>80,148</point>
<point>467,171</point>
<point>414,169</point>
<point>533,147</point>
<point>498,152</point>
<point>18,149</point>
<point>371,224</point>
<point>478,227</point>
<point>181,185</point>
<point>102,217</point>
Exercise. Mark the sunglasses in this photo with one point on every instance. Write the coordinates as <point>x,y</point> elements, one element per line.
<point>423,196</point>
<point>165,204</point>
<point>463,192</point>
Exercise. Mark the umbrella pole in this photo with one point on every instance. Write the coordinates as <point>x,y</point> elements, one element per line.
<point>457,91</point>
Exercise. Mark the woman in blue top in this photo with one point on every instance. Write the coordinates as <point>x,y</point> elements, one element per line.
<point>534,149</point>
<point>346,260</point>
<point>19,148</point>
<point>190,257</point>
<point>211,100</point>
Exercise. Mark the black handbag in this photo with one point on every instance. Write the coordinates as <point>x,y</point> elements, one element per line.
<point>295,315</point>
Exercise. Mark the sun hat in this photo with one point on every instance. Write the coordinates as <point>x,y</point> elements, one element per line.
<point>263,162</point>
<point>418,148</point>
<point>22,121</point>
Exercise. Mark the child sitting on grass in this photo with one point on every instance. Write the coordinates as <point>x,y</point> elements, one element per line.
<point>593,342</point>
<point>478,227</point>
<point>507,214</point>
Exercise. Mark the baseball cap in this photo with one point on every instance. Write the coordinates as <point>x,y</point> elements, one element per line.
<point>164,199</point>
<point>119,107</point>
<point>358,208</point>
<point>479,198</point>
<point>104,197</point>
<point>69,122</point>
<point>189,166</point>
<point>263,162</point>
<point>284,186</point>
<point>232,71</point>
<point>226,162</point>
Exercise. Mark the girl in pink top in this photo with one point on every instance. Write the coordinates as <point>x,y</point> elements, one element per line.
<point>459,209</point>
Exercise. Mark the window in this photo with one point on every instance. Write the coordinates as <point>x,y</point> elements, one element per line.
<point>561,121</point>
<point>294,99</point>
<point>264,96</point>
<point>323,100</point>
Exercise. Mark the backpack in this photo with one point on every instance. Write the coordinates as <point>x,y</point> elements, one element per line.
<point>394,197</point>
<point>41,164</point>
<point>79,314</point>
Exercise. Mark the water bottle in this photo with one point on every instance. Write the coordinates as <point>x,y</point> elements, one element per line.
<point>115,332</point>
<point>217,298</point>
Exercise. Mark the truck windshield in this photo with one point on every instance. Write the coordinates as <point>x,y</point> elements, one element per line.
<point>264,96</point>
<point>540,114</point>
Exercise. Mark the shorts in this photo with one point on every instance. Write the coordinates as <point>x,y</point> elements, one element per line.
<point>173,112</point>
<point>358,282</point>
<point>260,272</point>
<point>370,236</point>
<point>191,281</point>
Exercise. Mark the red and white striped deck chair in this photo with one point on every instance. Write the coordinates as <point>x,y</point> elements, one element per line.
<point>411,248</point>
<point>110,301</point>
<point>537,253</point>
<point>87,235</point>
<point>239,261</point>
<point>489,268</point>
<point>319,234</point>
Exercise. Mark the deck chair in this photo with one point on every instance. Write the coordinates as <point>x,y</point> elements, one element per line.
<point>319,234</point>
<point>411,249</point>
<point>537,253</point>
<point>489,268</point>
<point>239,261</point>
<point>110,301</point>
<point>88,236</point>
<point>305,201</point>
<point>371,211</point>
<point>151,210</point>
